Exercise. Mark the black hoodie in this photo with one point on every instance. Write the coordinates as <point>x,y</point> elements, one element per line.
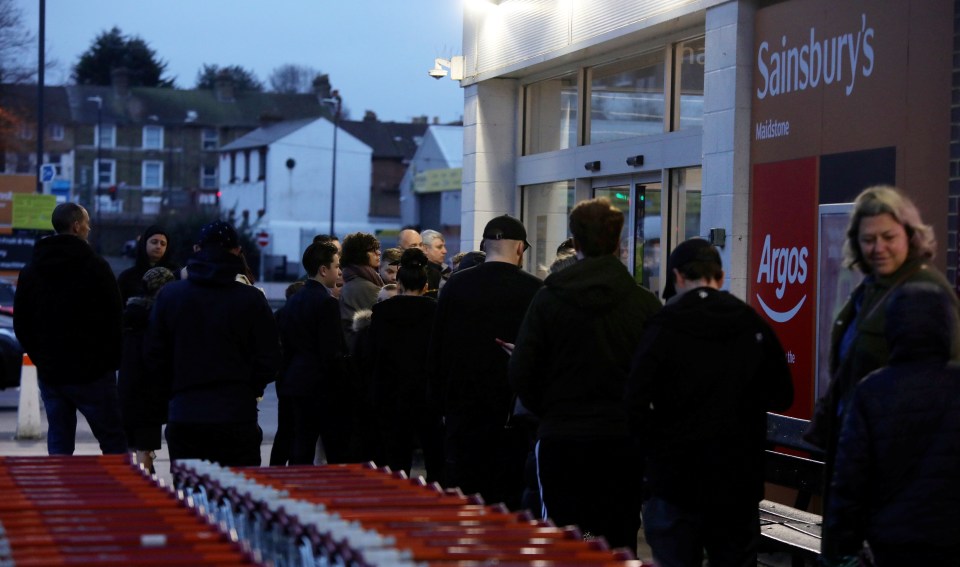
<point>213,341</point>
<point>68,311</point>
<point>705,374</point>
<point>573,350</point>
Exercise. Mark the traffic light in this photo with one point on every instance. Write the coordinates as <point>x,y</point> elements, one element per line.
<point>112,191</point>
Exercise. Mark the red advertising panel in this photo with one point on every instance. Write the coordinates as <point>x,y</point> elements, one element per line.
<point>783,265</point>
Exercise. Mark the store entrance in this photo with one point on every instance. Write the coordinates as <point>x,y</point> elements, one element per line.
<point>646,239</point>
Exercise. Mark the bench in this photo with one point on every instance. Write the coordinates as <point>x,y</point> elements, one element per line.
<point>792,528</point>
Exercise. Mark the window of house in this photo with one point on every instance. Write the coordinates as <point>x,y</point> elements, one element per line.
<point>210,139</point>
<point>56,132</point>
<point>689,57</point>
<point>105,173</point>
<point>246,166</point>
<point>551,114</point>
<point>56,160</point>
<point>106,136</point>
<point>627,98</point>
<point>546,211</point>
<point>233,167</point>
<point>25,131</point>
<point>152,175</point>
<point>24,163</point>
<point>153,137</point>
<point>208,177</point>
<point>262,164</point>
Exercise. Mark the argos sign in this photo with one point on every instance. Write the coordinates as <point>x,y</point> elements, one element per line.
<point>785,265</point>
<point>782,264</point>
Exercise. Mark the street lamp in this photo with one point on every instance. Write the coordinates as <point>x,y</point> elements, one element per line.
<point>336,101</point>
<point>96,169</point>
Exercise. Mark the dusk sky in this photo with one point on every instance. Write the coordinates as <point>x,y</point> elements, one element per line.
<point>377,52</point>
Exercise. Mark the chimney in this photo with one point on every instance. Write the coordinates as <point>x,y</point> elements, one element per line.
<point>120,79</point>
<point>321,87</point>
<point>369,116</point>
<point>269,119</point>
<point>419,119</point>
<point>436,120</point>
<point>223,87</point>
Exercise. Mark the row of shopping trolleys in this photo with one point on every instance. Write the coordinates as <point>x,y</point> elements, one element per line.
<point>105,510</point>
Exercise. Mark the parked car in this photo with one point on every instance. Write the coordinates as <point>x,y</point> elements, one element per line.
<point>7,292</point>
<point>11,353</point>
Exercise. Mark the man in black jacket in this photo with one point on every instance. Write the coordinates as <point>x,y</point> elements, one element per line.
<point>314,352</point>
<point>706,372</point>
<point>467,367</point>
<point>569,367</point>
<point>68,315</point>
<point>214,343</point>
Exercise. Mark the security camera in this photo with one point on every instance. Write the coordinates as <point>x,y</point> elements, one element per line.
<point>437,73</point>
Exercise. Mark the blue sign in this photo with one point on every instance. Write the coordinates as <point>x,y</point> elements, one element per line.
<point>47,172</point>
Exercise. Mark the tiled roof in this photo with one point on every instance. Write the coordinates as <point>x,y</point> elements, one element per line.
<point>266,135</point>
<point>389,140</point>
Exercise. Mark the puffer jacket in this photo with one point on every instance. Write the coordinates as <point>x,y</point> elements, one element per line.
<point>898,456</point>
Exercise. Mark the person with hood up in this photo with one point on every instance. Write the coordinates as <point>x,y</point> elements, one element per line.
<point>898,458</point>
<point>68,320</point>
<point>153,250</point>
<point>705,374</point>
<point>215,346</point>
<point>569,366</point>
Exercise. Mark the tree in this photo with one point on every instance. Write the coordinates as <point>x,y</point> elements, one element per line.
<point>112,50</point>
<point>293,79</point>
<point>243,79</point>
<point>16,43</point>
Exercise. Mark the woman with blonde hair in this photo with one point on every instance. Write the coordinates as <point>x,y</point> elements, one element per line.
<point>888,242</point>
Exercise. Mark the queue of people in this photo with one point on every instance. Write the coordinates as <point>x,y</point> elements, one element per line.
<point>581,395</point>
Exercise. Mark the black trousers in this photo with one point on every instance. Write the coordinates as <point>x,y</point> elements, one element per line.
<point>314,420</point>
<point>593,482</point>
<point>229,444</point>
<point>283,440</point>
<point>482,456</point>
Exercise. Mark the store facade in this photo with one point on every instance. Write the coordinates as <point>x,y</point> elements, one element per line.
<point>749,123</point>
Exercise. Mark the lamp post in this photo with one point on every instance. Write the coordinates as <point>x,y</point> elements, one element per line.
<point>335,100</point>
<point>96,168</point>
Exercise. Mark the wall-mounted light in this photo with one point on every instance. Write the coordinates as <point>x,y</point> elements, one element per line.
<point>291,163</point>
<point>592,166</point>
<point>455,64</point>
<point>635,161</point>
<point>718,237</point>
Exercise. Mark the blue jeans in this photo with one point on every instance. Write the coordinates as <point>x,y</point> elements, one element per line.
<point>678,537</point>
<point>99,403</point>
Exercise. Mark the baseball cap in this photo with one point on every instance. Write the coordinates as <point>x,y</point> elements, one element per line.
<point>689,251</point>
<point>220,233</point>
<point>506,227</point>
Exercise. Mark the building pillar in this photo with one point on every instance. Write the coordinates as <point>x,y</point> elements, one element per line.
<point>726,134</point>
<point>490,137</point>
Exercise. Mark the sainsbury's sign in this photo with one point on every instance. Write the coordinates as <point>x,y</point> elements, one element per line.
<point>786,66</point>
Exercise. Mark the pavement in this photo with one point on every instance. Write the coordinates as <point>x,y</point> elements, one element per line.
<point>87,443</point>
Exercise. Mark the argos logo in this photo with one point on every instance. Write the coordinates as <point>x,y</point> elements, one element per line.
<point>785,266</point>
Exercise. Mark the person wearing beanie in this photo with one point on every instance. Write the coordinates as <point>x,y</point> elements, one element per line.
<point>153,249</point>
<point>214,344</point>
<point>142,403</point>
<point>467,368</point>
<point>707,371</point>
<point>568,368</point>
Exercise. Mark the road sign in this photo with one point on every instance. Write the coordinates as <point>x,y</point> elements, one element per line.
<point>263,239</point>
<point>47,172</point>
